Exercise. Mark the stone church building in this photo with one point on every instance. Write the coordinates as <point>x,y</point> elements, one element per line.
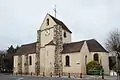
<point>54,52</point>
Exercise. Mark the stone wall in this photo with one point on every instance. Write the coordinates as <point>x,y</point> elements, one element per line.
<point>59,47</point>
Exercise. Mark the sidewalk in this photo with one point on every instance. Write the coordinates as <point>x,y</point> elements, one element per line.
<point>84,77</point>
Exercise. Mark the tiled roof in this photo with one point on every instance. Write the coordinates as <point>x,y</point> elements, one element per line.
<point>94,46</point>
<point>26,49</point>
<point>60,23</point>
<point>72,47</point>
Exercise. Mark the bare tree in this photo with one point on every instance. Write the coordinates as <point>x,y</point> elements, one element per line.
<point>113,45</point>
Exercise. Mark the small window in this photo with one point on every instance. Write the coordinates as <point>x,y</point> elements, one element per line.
<point>30,60</point>
<point>96,57</point>
<point>47,22</point>
<point>86,59</point>
<point>64,34</point>
<point>67,59</point>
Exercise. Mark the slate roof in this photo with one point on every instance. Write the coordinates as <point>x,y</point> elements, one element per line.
<point>72,47</point>
<point>60,23</point>
<point>27,49</point>
<point>93,46</point>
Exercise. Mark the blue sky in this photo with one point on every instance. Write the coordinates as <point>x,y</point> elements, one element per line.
<point>20,19</point>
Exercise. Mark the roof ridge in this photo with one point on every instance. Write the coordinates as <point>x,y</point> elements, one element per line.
<point>29,43</point>
<point>74,42</point>
<point>59,22</point>
<point>80,41</point>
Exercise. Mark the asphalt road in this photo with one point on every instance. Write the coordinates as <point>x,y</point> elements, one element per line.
<point>8,77</point>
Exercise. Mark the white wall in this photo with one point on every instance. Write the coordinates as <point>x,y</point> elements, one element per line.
<point>74,60</point>
<point>46,39</point>
<point>84,52</point>
<point>23,61</point>
<point>103,56</point>
<point>68,36</point>
<point>32,67</point>
<point>42,60</point>
<point>15,69</point>
<point>49,59</point>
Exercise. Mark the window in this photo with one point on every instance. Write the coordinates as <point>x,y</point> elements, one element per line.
<point>64,34</point>
<point>86,59</point>
<point>96,57</point>
<point>30,60</point>
<point>67,59</point>
<point>47,22</point>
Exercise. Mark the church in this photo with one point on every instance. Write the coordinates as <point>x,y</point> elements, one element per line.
<point>54,52</point>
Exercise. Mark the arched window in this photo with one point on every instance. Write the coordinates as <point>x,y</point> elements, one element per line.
<point>47,22</point>
<point>30,60</point>
<point>64,34</point>
<point>96,57</point>
<point>67,59</point>
<point>86,59</point>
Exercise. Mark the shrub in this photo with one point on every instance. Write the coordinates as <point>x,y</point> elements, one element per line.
<point>94,68</point>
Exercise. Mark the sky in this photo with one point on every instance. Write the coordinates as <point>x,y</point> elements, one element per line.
<point>20,19</point>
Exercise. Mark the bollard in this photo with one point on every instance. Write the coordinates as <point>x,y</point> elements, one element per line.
<point>37,74</point>
<point>68,75</point>
<point>102,75</point>
<point>43,74</point>
<point>21,73</point>
<point>31,73</point>
<point>80,75</point>
<point>51,74</point>
<point>16,73</point>
<point>59,75</point>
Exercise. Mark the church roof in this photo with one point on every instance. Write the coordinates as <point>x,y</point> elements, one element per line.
<point>27,49</point>
<point>92,44</point>
<point>72,47</point>
<point>60,23</point>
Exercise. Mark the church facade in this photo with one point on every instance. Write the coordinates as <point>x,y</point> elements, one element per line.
<point>54,52</point>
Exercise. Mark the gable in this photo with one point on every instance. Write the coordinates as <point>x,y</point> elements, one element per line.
<point>53,21</point>
<point>44,23</point>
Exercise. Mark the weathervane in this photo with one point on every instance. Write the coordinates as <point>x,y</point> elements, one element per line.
<point>55,10</point>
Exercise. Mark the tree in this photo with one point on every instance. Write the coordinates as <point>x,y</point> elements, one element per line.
<point>93,68</point>
<point>2,65</point>
<point>113,45</point>
<point>112,62</point>
<point>11,50</point>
